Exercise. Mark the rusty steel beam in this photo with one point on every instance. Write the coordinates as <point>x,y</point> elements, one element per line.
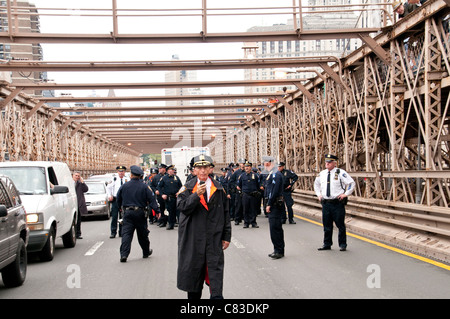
<point>28,37</point>
<point>68,99</point>
<point>156,85</point>
<point>173,121</point>
<point>14,65</point>
<point>162,115</point>
<point>134,127</point>
<point>86,109</point>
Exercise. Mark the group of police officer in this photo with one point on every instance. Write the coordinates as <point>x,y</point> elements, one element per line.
<point>246,187</point>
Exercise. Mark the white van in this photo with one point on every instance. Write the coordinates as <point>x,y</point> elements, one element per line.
<point>48,193</point>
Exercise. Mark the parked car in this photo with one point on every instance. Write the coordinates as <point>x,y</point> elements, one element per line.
<point>97,202</point>
<point>13,235</point>
<point>106,178</point>
<point>48,193</point>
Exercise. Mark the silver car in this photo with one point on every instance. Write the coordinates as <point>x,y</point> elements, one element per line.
<point>97,199</point>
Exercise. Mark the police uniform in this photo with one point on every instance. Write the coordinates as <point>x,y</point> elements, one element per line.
<point>238,210</point>
<point>231,190</point>
<point>274,191</point>
<point>263,180</point>
<point>112,188</point>
<point>289,179</point>
<point>152,214</point>
<point>134,197</point>
<point>329,185</point>
<point>162,204</point>
<point>249,185</point>
<point>170,185</point>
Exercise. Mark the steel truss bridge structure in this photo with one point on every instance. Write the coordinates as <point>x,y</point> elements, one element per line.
<point>383,110</point>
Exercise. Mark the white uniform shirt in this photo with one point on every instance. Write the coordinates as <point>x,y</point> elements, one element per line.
<point>339,183</point>
<point>113,187</point>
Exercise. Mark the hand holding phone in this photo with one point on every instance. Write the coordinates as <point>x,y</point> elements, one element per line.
<point>201,188</point>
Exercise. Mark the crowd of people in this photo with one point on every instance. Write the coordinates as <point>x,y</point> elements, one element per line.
<point>204,207</point>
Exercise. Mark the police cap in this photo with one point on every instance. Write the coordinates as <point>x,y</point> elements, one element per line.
<point>247,163</point>
<point>171,167</point>
<point>136,170</point>
<point>121,168</point>
<point>153,170</point>
<point>202,160</point>
<point>281,164</point>
<point>162,165</point>
<point>242,161</point>
<point>330,158</point>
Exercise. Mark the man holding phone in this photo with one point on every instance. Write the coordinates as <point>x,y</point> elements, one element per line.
<point>204,232</point>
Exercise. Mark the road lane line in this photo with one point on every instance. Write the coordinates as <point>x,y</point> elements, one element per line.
<point>94,248</point>
<point>237,243</point>
<point>379,244</point>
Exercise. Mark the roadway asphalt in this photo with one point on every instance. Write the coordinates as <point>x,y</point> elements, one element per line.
<point>91,270</point>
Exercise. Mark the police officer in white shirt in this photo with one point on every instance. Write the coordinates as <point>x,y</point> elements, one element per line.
<point>332,187</point>
<point>112,189</point>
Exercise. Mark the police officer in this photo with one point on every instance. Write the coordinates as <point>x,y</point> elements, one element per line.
<point>263,180</point>
<point>152,214</point>
<point>168,187</point>
<point>223,178</point>
<point>248,183</point>
<point>238,212</point>
<point>275,208</point>
<point>134,197</point>
<point>162,221</point>
<point>332,187</point>
<point>289,179</point>
<point>231,191</point>
<point>112,189</point>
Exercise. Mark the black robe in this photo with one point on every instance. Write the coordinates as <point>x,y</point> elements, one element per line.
<point>200,235</point>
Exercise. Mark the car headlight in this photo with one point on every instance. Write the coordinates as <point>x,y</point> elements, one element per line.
<point>35,221</point>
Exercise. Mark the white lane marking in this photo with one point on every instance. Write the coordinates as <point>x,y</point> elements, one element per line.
<point>94,248</point>
<point>237,243</point>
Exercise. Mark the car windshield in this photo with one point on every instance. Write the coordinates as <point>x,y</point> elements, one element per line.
<point>95,188</point>
<point>28,180</point>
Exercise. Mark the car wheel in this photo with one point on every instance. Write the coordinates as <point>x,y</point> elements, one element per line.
<point>47,253</point>
<point>70,239</point>
<point>14,274</point>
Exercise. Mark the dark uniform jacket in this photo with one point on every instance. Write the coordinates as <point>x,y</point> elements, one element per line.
<point>169,185</point>
<point>249,183</point>
<point>274,186</point>
<point>233,181</point>
<point>155,181</point>
<point>289,178</point>
<point>200,235</point>
<point>138,194</point>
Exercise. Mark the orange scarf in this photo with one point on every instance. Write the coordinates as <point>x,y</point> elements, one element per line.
<point>202,198</point>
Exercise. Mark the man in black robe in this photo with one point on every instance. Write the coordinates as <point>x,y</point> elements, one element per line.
<point>204,231</point>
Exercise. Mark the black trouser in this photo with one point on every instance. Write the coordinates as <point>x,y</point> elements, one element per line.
<point>114,218</point>
<point>162,208</point>
<point>276,228</point>
<point>249,209</point>
<point>171,204</point>
<point>333,211</point>
<point>134,220</point>
<point>289,203</point>
<point>238,210</point>
<point>78,224</point>
<point>232,204</point>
